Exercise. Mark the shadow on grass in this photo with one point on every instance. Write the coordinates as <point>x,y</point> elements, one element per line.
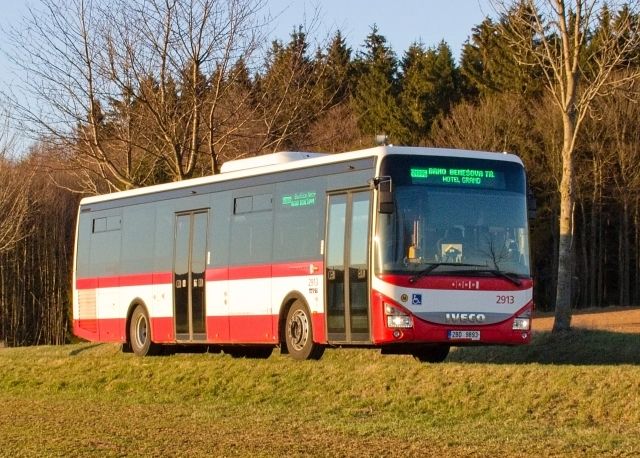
<point>576,347</point>
<point>77,351</point>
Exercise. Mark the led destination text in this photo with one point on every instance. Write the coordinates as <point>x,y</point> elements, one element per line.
<point>451,176</point>
<point>301,199</point>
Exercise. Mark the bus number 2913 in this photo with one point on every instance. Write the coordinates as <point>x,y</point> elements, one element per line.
<point>500,299</point>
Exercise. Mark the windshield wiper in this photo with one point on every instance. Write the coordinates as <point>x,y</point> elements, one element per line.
<point>509,276</point>
<point>506,275</point>
<point>498,273</point>
<point>434,265</point>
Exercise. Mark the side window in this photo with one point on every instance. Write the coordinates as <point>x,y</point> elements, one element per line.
<point>251,229</point>
<point>99,225</point>
<point>299,216</point>
<point>249,204</point>
<point>110,223</point>
<point>105,242</point>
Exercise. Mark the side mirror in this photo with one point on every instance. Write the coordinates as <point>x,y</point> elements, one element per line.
<point>385,194</point>
<point>531,204</point>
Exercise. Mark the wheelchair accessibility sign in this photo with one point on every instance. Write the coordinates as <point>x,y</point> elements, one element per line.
<point>416,299</point>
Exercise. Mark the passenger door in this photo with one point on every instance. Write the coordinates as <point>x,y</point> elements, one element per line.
<point>347,266</point>
<point>189,267</point>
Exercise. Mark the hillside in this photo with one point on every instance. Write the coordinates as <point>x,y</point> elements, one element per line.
<point>575,394</point>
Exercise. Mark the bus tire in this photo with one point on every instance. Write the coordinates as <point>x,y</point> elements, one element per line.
<point>140,333</point>
<point>299,333</point>
<point>432,353</point>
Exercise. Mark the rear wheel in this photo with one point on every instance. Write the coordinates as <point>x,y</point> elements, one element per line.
<point>140,333</point>
<point>299,334</point>
<point>431,353</point>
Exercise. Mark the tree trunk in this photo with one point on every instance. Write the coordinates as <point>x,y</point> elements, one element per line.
<point>593,270</point>
<point>596,224</point>
<point>584,277</point>
<point>625,258</point>
<point>565,245</point>
<point>636,225</point>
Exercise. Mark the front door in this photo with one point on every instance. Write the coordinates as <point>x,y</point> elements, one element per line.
<point>189,266</point>
<point>347,271</point>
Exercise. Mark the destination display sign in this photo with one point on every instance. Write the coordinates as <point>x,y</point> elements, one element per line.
<point>300,199</point>
<point>471,177</point>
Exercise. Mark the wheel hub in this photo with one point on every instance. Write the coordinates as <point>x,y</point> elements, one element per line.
<point>299,330</point>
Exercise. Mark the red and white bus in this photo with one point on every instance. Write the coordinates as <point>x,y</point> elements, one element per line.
<point>410,250</point>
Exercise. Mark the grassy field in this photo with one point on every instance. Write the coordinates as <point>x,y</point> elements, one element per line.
<point>577,394</point>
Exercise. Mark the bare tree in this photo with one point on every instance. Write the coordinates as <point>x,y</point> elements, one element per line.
<point>14,192</point>
<point>127,90</point>
<point>619,114</point>
<point>578,66</point>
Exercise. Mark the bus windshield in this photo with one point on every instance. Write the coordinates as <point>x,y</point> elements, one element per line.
<point>454,216</point>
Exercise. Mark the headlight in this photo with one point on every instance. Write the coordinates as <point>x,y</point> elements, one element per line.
<point>396,318</point>
<point>398,321</point>
<point>521,324</point>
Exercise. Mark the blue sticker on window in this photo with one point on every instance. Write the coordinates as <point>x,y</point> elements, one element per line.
<point>416,299</point>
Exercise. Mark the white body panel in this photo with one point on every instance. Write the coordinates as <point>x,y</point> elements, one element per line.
<point>451,300</point>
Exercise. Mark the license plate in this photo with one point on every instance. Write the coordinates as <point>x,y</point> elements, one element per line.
<point>463,335</point>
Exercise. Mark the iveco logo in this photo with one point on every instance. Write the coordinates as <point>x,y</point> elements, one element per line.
<point>465,317</point>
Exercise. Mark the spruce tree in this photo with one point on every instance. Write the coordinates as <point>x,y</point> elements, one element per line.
<point>490,65</point>
<point>429,87</point>
<point>338,70</point>
<point>375,99</point>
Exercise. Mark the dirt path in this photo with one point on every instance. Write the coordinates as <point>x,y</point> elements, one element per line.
<point>619,319</point>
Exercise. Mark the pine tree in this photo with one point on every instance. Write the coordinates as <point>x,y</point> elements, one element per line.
<point>490,65</point>
<point>291,93</point>
<point>339,69</point>
<point>375,99</point>
<point>429,85</point>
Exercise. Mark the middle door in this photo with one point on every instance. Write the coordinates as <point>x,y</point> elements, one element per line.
<point>347,266</point>
<point>190,254</point>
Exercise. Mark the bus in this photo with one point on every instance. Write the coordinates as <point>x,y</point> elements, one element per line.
<point>409,250</point>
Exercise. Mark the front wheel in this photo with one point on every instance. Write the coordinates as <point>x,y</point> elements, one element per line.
<point>432,353</point>
<point>140,333</point>
<point>299,334</point>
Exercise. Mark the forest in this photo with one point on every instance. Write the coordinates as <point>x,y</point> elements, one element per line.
<point>125,94</point>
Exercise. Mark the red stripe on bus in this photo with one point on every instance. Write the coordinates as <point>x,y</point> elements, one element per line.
<point>155,278</point>
<point>295,269</point>
<point>162,329</point>
<point>292,269</point>
<point>319,330</point>
<point>86,283</point>
<point>162,278</point>
<point>249,272</point>
<point>238,329</point>
<point>253,328</point>
<point>217,274</point>
<point>104,329</point>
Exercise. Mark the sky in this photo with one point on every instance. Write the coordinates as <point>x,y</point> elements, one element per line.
<point>402,22</point>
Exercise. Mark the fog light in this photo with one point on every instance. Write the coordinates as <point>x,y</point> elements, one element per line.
<point>521,324</point>
<point>397,334</point>
<point>399,321</point>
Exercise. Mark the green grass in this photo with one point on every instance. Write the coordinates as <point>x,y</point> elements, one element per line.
<point>574,394</point>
